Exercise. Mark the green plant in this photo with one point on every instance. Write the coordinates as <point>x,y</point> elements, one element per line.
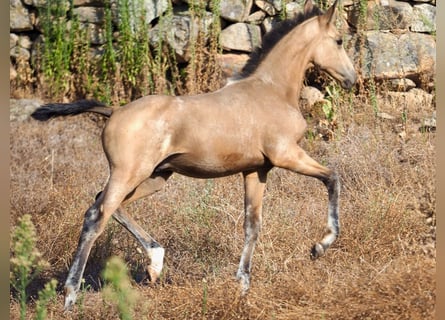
<point>57,48</point>
<point>84,81</point>
<point>45,296</point>
<point>118,289</point>
<point>363,12</point>
<point>80,302</point>
<point>203,71</point>
<point>204,297</point>
<point>373,95</point>
<point>331,101</point>
<point>26,261</point>
<point>108,60</point>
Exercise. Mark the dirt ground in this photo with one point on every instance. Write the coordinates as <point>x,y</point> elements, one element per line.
<point>381,267</point>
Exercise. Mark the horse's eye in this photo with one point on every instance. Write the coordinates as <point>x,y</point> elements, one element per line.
<point>339,41</point>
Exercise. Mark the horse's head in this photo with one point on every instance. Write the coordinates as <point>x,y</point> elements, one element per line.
<point>328,53</point>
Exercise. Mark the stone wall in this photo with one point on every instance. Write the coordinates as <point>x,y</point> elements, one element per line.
<point>398,41</point>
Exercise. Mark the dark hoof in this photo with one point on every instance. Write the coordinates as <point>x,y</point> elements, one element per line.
<point>317,251</point>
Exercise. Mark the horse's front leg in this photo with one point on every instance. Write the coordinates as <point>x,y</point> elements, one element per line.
<point>297,160</point>
<point>254,185</point>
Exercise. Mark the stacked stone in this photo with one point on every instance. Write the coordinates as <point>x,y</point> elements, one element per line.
<point>399,36</point>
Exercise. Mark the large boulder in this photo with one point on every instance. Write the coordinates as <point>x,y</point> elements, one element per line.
<point>20,19</point>
<point>390,56</point>
<point>241,37</point>
<point>153,9</point>
<point>382,15</point>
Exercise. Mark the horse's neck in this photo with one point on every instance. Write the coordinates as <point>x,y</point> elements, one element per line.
<point>286,64</point>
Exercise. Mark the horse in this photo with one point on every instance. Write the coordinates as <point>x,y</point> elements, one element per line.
<point>248,126</point>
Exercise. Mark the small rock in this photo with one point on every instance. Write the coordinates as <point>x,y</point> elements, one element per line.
<point>429,124</point>
<point>424,18</point>
<point>24,42</point>
<point>13,40</point>
<point>386,116</point>
<point>19,53</point>
<point>403,84</point>
<point>266,7</point>
<point>90,14</point>
<point>293,8</point>
<point>310,95</point>
<point>12,72</point>
<point>235,10</point>
<point>21,109</point>
<point>256,17</point>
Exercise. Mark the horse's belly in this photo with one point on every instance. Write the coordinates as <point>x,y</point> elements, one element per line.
<point>211,166</point>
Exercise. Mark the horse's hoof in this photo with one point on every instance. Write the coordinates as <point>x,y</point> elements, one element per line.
<point>317,251</point>
<point>70,298</point>
<point>157,261</point>
<point>244,282</point>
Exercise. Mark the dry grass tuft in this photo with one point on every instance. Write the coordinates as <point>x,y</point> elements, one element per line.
<point>382,267</point>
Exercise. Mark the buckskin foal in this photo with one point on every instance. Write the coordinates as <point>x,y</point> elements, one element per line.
<point>249,126</point>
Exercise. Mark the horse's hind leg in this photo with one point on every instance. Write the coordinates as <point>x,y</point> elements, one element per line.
<point>94,223</point>
<point>254,185</point>
<point>298,161</point>
<point>154,250</point>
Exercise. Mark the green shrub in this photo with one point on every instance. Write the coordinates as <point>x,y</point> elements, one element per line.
<point>118,290</point>
<point>26,261</point>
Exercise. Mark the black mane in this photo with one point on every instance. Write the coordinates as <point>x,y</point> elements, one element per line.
<point>271,38</point>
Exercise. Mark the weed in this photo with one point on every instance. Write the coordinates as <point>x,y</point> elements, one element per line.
<point>80,302</point>
<point>330,103</point>
<point>57,48</point>
<point>203,71</point>
<point>45,296</point>
<point>26,261</point>
<point>25,78</point>
<point>108,60</point>
<point>118,289</point>
<point>204,297</point>
<point>373,95</point>
<point>81,64</point>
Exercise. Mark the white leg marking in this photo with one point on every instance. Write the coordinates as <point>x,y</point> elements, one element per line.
<point>157,261</point>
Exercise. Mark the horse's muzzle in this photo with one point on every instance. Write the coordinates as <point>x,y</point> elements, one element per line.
<point>348,82</point>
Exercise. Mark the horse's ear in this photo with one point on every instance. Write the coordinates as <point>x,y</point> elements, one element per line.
<point>330,16</point>
<point>308,6</point>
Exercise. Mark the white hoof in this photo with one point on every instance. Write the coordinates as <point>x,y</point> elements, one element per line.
<point>157,262</point>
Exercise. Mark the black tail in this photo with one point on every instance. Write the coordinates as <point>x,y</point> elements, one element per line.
<point>50,110</point>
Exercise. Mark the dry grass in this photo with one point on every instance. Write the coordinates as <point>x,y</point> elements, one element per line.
<point>382,266</point>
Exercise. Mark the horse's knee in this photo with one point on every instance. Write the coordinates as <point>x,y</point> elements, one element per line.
<point>92,215</point>
<point>92,221</point>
